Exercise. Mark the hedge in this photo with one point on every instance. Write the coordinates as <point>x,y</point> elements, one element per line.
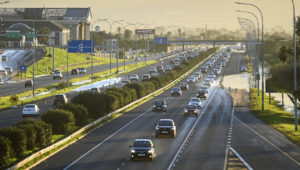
<point>6,152</point>
<point>61,121</point>
<point>18,139</point>
<point>80,113</point>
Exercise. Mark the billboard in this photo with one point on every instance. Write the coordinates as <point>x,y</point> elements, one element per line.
<point>81,46</point>
<point>145,31</point>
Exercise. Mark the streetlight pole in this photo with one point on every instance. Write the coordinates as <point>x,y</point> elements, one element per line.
<point>262,41</point>
<point>295,67</point>
<point>257,60</point>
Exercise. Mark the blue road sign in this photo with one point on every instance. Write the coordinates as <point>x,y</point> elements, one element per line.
<point>23,68</point>
<point>160,40</point>
<point>81,46</point>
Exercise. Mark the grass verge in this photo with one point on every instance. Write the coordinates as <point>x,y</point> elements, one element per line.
<point>275,116</point>
<point>249,68</point>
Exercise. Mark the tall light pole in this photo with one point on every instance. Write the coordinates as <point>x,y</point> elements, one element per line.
<point>257,60</point>
<point>295,67</point>
<point>262,41</point>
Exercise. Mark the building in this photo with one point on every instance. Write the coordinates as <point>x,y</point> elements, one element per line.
<point>65,23</point>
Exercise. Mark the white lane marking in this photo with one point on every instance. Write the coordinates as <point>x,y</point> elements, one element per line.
<point>241,159</point>
<point>189,134</point>
<point>105,140</point>
<point>280,150</point>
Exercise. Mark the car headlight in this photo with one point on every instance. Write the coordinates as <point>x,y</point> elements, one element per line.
<point>132,151</point>
<point>164,106</point>
<point>157,128</point>
<point>185,110</point>
<point>195,111</point>
<point>149,151</point>
<point>154,106</point>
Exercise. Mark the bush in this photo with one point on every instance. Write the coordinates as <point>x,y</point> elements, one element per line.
<point>96,104</point>
<point>18,139</point>
<point>31,135</point>
<point>6,152</point>
<point>62,85</point>
<point>43,131</point>
<point>140,91</point>
<point>80,113</point>
<point>61,121</point>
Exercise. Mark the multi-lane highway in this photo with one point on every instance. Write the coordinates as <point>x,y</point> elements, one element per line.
<point>201,142</point>
<point>9,116</point>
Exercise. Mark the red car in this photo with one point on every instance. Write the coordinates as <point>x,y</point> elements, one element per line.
<point>184,86</point>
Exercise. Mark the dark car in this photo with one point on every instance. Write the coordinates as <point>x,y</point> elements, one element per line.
<point>165,127</point>
<point>202,94</point>
<point>75,71</point>
<point>191,110</point>
<point>142,148</point>
<point>160,105</point>
<point>184,86</point>
<point>204,69</point>
<point>176,91</point>
<point>28,83</point>
<point>60,99</point>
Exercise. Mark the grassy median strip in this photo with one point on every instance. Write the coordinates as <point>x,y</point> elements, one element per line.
<point>274,115</point>
<point>4,101</point>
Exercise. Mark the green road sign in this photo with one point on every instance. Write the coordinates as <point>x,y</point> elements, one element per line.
<point>30,34</point>
<point>13,34</point>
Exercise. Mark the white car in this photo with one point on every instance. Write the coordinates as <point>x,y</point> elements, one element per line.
<point>8,69</point>
<point>196,102</point>
<point>191,80</point>
<point>134,77</point>
<point>82,70</point>
<point>207,82</point>
<point>31,110</point>
<point>123,83</point>
<point>95,90</point>
<point>243,68</point>
<point>57,74</point>
<point>176,64</point>
<point>212,76</point>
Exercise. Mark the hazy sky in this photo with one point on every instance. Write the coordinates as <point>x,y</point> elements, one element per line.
<point>187,13</point>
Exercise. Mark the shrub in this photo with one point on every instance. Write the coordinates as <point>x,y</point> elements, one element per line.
<point>31,135</point>
<point>79,111</point>
<point>6,152</point>
<point>61,121</point>
<point>18,139</point>
<point>62,85</point>
<point>43,131</point>
<point>137,87</point>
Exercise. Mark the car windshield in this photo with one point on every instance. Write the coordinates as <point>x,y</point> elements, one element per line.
<point>59,96</point>
<point>176,89</point>
<point>165,123</point>
<point>159,103</point>
<point>190,107</point>
<point>142,144</point>
<point>195,100</point>
<point>29,106</point>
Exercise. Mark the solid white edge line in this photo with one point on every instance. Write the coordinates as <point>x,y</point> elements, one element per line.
<point>284,153</point>
<point>189,134</point>
<point>240,158</point>
<point>105,140</point>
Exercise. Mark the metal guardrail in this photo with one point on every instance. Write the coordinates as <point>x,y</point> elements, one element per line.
<point>83,129</point>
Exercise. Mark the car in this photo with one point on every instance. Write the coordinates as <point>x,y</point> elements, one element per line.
<point>57,75</point>
<point>82,70</point>
<point>4,58</point>
<point>182,55</point>
<point>204,69</point>
<point>195,76</point>
<point>184,86</point>
<point>196,101</point>
<point>159,105</point>
<point>165,127</point>
<point>217,71</point>
<point>146,77</point>
<point>176,64</point>
<point>8,69</point>
<point>30,110</point>
<point>191,110</point>
<point>202,94</point>
<point>161,71</point>
<point>176,59</point>
<point>3,72</point>
<point>191,79</point>
<point>75,71</point>
<point>223,63</point>
<point>126,57</point>
<point>134,77</point>
<point>60,99</point>
<point>168,68</point>
<point>152,70</point>
<point>207,82</point>
<point>160,67</point>
<point>243,68</point>
<point>176,91</point>
<point>28,83</point>
<point>95,90</point>
<point>137,58</point>
<point>212,76</point>
<point>123,83</point>
<point>142,148</point>
<point>198,74</point>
